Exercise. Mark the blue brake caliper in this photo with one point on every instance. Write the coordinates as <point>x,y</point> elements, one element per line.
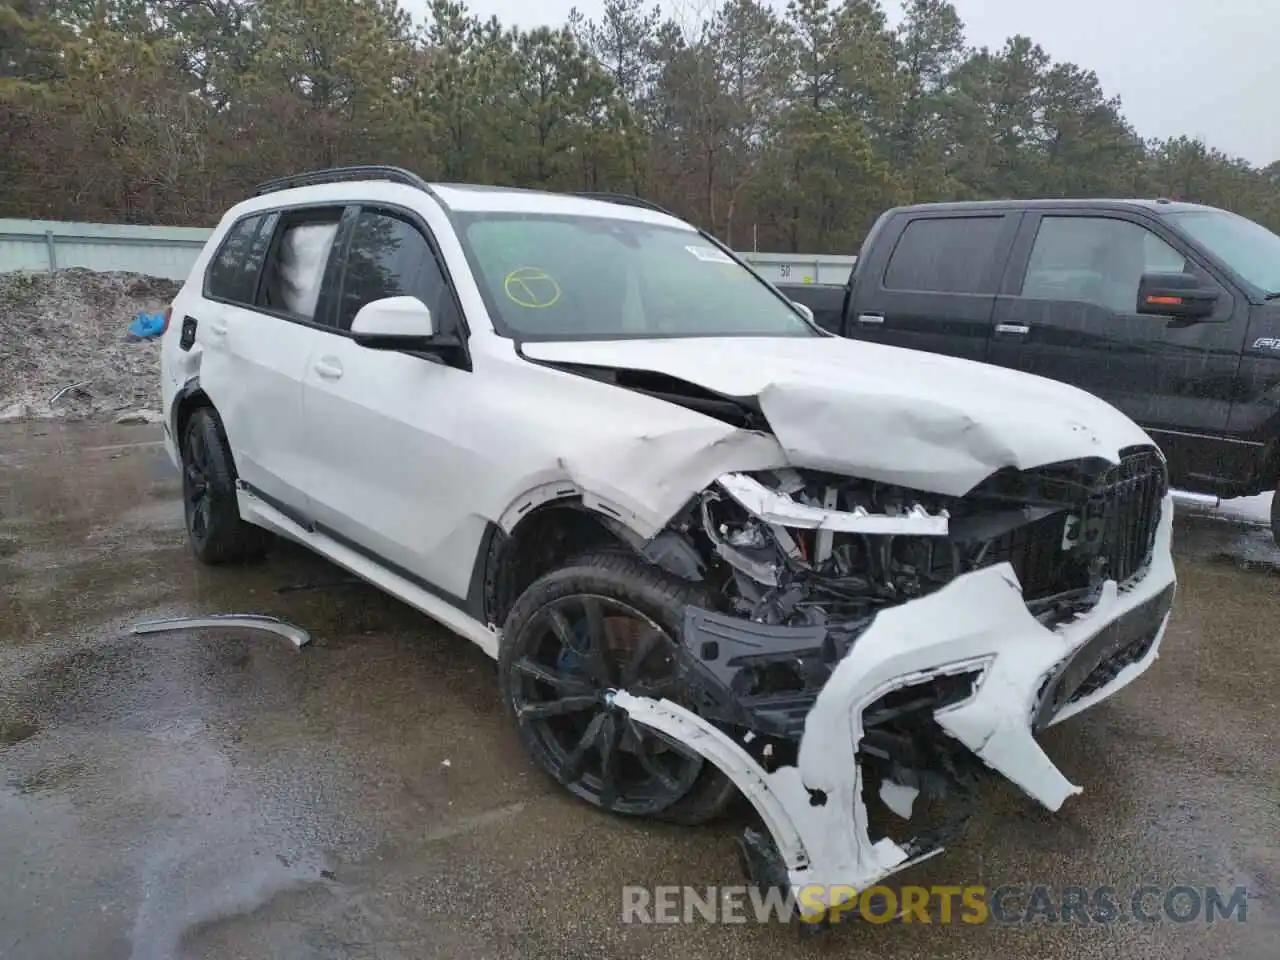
<point>570,661</point>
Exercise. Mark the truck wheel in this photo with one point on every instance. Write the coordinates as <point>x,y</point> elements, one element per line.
<point>214,528</point>
<point>606,621</point>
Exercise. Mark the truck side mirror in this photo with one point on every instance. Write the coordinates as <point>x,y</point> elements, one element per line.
<point>1181,295</point>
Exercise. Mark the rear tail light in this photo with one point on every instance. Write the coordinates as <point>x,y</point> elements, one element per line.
<point>168,315</point>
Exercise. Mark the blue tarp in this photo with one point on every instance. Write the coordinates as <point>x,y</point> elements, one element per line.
<point>147,325</point>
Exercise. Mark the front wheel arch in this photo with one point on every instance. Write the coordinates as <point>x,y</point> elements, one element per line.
<point>545,539</point>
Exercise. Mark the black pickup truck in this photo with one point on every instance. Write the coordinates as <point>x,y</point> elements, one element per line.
<point>1170,311</point>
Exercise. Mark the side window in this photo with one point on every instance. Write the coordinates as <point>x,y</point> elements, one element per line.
<point>944,254</point>
<point>1159,257</point>
<point>388,257</point>
<point>296,262</point>
<point>1095,260</point>
<point>233,272</point>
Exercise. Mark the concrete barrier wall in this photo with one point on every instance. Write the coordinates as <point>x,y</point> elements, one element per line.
<point>55,244</point>
<point>796,268</point>
<point>170,251</point>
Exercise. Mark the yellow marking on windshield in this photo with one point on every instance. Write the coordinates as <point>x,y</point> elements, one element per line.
<point>531,287</point>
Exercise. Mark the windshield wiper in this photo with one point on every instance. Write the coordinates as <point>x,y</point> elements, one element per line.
<point>1271,296</point>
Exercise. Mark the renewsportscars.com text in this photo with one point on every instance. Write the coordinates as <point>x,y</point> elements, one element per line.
<point>936,904</point>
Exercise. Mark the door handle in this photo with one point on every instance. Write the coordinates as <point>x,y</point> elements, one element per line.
<point>870,319</point>
<point>1013,329</point>
<point>329,368</point>
<point>217,328</point>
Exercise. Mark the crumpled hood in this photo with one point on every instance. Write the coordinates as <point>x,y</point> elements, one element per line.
<point>922,420</point>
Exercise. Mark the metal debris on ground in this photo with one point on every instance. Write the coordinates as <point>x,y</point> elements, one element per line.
<point>67,389</point>
<point>251,621</point>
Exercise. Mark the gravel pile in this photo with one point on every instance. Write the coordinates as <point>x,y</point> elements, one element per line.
<point>70,328</point>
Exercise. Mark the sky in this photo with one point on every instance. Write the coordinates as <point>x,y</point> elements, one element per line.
<point>1204,68</point>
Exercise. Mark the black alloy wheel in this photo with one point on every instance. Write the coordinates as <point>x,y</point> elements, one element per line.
<point>578,649</point>
<point>214,528</point>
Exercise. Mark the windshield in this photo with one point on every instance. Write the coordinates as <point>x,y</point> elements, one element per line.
<point>1248,248</point>
<point>561,278</point>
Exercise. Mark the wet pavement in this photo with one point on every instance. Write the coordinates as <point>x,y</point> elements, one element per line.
<point>222,794</point>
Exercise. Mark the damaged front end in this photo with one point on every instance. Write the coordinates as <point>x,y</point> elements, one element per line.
<point>874,643</point>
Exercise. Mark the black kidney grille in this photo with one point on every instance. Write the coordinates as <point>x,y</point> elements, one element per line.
<point>1127,503</point>
<point>1118,524</point>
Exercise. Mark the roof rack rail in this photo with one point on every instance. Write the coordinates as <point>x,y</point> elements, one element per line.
<point>314,178</point>
<point>627,200</point>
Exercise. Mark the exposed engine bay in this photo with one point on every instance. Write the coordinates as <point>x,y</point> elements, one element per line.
<point>805,566</point>
<point>804,547</point>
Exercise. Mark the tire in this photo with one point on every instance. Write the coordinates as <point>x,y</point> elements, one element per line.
<point>634,598</point>
<point>214,529</point>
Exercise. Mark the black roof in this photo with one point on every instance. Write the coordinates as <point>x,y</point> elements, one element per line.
<point>1158,206</point>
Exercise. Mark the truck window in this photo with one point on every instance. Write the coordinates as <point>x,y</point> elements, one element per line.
<point>1095,260</point>
<point>944,255</point>
<point>1246,247</point>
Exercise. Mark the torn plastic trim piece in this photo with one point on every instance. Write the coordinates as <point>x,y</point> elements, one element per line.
<point>777,508</point>
<point>898,797</point>
<point>251,621</point>
<point>564,490</point>
<point>719,647</point>
<point>761,571</point>
<point>696,733</point>
<point>795,823</point>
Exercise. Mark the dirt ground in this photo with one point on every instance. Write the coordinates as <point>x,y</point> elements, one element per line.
<point>223,795</point>
<point>70,330</point>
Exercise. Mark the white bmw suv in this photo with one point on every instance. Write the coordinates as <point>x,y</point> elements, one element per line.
<point>713,548</point>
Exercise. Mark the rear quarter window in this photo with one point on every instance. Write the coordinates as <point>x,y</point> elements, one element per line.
<point>944,255</point>
<point>233,273</point>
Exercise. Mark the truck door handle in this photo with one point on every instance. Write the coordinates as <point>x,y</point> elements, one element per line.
<point>1013,329</point>
<point>217,328</point>
<point>870,319</point>
<point>329,368</point>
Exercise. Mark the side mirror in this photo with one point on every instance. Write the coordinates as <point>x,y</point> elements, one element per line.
<point>804,310</point>
<point>393,323</point>
<point>1181,295</point>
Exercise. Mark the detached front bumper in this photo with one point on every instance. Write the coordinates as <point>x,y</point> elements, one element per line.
<point>1028,676</point>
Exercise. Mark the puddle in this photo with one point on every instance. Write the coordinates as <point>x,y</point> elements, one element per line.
<point>186,890</point>
<point>1252,550</point>
<point>15,731</point>
<point>47,778</point>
